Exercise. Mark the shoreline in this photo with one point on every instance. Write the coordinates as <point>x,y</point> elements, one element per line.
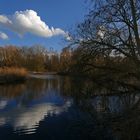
<point>9,75</point>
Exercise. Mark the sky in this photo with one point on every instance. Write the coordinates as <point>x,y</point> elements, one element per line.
<point>44,22</point>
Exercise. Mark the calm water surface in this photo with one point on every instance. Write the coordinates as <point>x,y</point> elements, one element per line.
<point>62,108</point>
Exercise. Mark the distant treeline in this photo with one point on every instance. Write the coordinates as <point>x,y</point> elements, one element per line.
<point>35,58</point>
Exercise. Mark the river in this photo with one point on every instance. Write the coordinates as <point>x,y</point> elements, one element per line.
<point>51,107</point>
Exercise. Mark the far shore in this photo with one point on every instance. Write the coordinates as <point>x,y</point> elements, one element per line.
<point>43,73</point>
<point>15,75</point>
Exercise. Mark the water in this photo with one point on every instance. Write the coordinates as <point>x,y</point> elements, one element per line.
<point>63,108</point>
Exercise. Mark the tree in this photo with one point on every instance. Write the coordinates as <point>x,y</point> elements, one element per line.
<point>112,25</point>
<point>110,30</point>
<point>34,57</point>
<point>65,59</point>
<point>10,56</point>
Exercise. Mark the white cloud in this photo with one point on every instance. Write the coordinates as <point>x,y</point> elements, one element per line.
<point>29,22</point>
<point>3,35</point>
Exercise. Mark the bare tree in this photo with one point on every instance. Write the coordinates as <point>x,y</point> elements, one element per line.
<point>112,26</point>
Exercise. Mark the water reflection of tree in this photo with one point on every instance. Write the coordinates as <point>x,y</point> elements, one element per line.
<point>121,115</point>
<point>30,90</point>
<point>11,91</point>
<point>127,124</point>
<point>38,88</point>
<point>114,109</point>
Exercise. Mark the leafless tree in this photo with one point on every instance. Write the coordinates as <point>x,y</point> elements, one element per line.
<point>112,26</point>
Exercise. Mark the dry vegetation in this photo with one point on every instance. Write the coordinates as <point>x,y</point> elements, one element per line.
<point>12,74</point>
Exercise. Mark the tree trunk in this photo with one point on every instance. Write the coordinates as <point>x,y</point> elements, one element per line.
<point>135,24</point>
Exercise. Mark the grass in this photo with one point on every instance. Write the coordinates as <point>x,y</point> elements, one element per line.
<point>12,74</point>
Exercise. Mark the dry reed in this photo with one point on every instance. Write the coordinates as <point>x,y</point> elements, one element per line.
<point>12,74</point>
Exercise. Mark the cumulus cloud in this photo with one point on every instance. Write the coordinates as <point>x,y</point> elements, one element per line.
<point>29,22</point>
<point>3,35</point>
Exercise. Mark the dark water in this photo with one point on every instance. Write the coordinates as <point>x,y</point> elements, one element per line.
<point>63,108</point>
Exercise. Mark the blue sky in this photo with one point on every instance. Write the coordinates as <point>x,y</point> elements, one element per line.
<point>62,14</point>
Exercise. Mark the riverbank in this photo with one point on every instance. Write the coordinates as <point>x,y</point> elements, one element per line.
<point>12,75</point>
<point>43,73</point>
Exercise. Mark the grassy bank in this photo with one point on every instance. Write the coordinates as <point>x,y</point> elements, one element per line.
<point>12,74</point>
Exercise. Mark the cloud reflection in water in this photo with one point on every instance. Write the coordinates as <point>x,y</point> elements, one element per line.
<point>26,120</point>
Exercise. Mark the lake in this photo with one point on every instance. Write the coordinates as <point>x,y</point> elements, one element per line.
<point>51,107</point>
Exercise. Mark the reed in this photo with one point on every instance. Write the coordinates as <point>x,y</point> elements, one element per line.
<point>12,74</point>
